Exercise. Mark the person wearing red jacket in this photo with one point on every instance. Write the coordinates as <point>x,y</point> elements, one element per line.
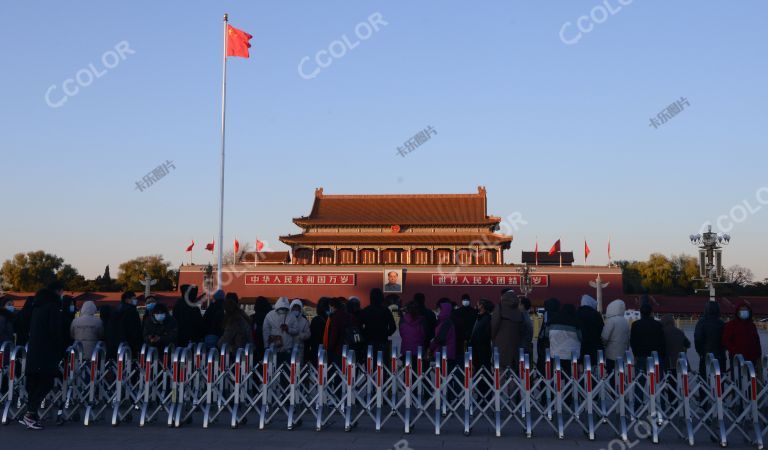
<point>740,336</point>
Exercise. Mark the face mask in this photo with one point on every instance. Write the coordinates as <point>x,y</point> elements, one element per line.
<point>282,311</point>
<point>71,308</point>
<point>159,317</point>
<point>330,311</point>
<point>297,314</point>
<point>465,302</point>
<point>10,308</point>
<point>744,314</point>
<point>134,301</point>
<point>150,306</point>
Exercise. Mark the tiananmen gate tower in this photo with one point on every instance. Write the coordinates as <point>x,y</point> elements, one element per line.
<point>442,245</point>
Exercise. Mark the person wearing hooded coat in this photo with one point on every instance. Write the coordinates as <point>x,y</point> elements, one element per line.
<point>615,334</point>
<point>591,322</point>
<point>45,350</point>
<point>740,336</point>
<point>412,330</point>
<point>298,328</point>
<point>508,329</point>
<point>466,315</point>
<point>213,319</point>
<point>334,333</point>
<point>551,307</point>
<point>275,329</point>
<point>445,333</point>
<point>124,326</point>
<point>87,329</point>
<point>708,337</point>
<point>189,319</point>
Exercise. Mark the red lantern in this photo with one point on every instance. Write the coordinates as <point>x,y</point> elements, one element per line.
<point>395,228</point>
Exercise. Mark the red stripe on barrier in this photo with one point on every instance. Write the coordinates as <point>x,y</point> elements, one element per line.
<point>528,380</point>
<point>718,386</point>
<point>210,372</point>
<point>497,377</point>
<point>119,370</point>
<point>293,373</point>
<point>558,381</point>
<point>685,385</point>
<point>754,389</point>
<point>407,376</point>
<point>237,373</point>
<point>320,374</point>
<point>437,377</point>
<point>621,383</point>
<point>466,378</point>
<point>589,381</point>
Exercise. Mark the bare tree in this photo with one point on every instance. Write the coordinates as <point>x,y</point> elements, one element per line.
<point>738,275</point>
<point>229,255</point>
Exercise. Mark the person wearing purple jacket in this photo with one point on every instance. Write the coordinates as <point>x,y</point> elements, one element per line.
<point>445,332</point>
<point>412,332</point>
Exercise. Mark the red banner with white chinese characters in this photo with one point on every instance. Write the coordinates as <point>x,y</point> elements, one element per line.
<point>294,279</point>
<point>485,279</point>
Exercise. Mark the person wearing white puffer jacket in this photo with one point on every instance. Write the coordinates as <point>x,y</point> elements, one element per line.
<point>298,327</point>
<point>276,330</point>
<point>615,333</point>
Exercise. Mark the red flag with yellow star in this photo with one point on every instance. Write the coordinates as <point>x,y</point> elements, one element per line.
<point>238,42</point>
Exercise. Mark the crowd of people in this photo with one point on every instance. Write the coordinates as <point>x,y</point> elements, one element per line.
<point>49,323</point>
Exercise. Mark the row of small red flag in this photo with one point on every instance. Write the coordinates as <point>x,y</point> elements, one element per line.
<point>556,249</point>
<point>211,245</point>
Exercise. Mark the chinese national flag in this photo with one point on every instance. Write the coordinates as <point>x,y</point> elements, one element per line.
<point>237,42</point>
<point>587,251</point>
<point>555,248</point>
<point>210,246</point>
<point>259,245</point>
<point>189,249</point>
<point>237,246</point>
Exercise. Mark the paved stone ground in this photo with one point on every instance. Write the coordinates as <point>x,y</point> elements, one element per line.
<point>156,436</point>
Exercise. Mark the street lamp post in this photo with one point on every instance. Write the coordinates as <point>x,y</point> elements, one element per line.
<point>710,257</point>
<point>526,286</point>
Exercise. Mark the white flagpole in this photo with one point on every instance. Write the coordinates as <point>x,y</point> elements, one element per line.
<point>223,122</point>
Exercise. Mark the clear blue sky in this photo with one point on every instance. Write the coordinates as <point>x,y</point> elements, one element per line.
<point>559,133</point>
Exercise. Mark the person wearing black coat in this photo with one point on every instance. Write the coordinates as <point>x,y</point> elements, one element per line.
<point>647,336</point>
<point>188,317</point>
<point>591,328</point>
<point>68,310</point>
<point>45,350</point>
<point>429,317</point>
<point>124,326</point>
<point>316,330</point>
<point>213,319</point>
<point>466,316</point>
<point>377,323</point>
<point>708,337</point>
<point>480,336</point>
<point>21,324</point>
<point>261,308</point>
